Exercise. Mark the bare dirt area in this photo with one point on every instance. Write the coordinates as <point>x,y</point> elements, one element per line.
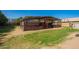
<point>72,42</point>
<point>18,31</point>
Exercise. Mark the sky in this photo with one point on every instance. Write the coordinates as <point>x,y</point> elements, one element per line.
<point>12,14</point>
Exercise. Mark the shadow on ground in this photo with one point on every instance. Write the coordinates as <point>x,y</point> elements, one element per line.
<point>4,31</point>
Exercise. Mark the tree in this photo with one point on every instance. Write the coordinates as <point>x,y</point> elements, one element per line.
<point>3,19</point>
<point>18,20</point>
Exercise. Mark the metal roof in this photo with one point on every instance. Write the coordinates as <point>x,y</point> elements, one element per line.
<point>40,17</point>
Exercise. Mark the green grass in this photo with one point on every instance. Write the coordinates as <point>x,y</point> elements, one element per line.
<point>39,39</point>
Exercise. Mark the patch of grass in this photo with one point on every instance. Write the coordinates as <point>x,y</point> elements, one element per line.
<point>39,39</point>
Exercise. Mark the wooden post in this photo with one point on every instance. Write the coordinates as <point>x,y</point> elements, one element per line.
<point>45,24</point>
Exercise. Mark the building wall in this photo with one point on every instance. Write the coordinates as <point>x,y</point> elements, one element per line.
<point>34,24</point>
<point>65,24</point>
<point>75,25</point>
<point>31,25</point>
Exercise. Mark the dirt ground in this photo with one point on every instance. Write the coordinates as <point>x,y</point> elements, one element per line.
<point>71,41</point>
<point>18,31</point>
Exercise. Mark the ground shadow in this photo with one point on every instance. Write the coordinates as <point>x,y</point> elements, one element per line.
<point>7,28</point>
<point>4,31</point>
